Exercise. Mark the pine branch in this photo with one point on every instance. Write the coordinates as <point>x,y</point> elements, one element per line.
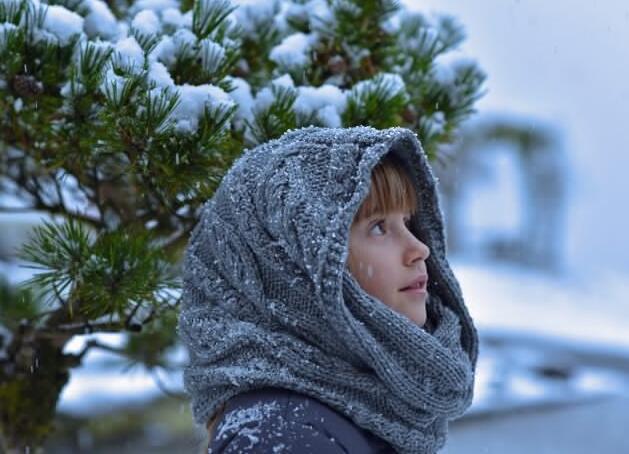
<point>208,15</point>
<point>65,331</point>
<point>272,121</point>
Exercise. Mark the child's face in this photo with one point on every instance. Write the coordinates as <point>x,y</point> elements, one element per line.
<point>385,257</point>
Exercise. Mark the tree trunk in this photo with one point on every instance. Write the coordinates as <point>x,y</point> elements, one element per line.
<point>30,386</point>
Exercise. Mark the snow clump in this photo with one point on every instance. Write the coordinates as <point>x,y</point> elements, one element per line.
<point>146,22</point>
<point>62,24</point>
<point>293,50</point>
<point>100,21</point>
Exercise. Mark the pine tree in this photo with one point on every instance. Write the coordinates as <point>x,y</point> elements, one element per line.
<point>119,119</point>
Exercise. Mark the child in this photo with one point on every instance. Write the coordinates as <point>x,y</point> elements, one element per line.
<point>319,309</point>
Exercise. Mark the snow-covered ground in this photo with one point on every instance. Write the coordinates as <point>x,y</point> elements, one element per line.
<point>590,309</point>
<point>545,339</point>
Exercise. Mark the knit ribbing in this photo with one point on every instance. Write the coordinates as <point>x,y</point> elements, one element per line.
<point>268,301</point>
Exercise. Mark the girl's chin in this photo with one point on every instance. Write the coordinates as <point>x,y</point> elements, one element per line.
<point>417,314</point>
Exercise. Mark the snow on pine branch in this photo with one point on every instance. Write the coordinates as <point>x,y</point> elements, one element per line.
<point>172,39</point>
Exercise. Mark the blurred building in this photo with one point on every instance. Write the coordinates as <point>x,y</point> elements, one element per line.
<point>503,189</point>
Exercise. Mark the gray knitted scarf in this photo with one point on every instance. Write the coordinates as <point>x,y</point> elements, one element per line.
<point>268,300</point>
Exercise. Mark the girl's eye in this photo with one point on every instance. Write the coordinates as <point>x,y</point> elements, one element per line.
<point>379,226</point>
<point>379,229</point>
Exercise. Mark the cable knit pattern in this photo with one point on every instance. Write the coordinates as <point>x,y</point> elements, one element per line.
<point>268,300</point>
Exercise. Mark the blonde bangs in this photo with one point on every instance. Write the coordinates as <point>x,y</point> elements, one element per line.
<point>391,190</point>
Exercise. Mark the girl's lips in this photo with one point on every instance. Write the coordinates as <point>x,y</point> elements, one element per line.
<point>416,291</point>
<point>417,286</point>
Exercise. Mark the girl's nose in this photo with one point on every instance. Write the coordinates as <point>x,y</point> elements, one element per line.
<point>416,250</point>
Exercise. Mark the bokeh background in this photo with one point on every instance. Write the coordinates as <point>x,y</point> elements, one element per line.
<point>539,232</point>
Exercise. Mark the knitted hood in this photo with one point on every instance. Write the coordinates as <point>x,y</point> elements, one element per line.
<point>268,299</point>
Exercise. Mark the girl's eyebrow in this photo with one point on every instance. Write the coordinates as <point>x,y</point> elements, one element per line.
<point>369,220</point>
<point>381,214</point>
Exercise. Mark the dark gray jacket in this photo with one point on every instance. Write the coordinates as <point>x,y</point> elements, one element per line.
<point>274,420</point>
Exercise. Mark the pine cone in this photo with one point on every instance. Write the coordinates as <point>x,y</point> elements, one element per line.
<point>27,86</point>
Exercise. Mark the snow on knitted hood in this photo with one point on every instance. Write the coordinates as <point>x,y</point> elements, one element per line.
<point>268,300</point>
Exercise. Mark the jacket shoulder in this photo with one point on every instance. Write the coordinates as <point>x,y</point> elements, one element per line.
<point>274,420</point>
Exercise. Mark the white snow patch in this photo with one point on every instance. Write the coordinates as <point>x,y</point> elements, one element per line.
<point>129,54</point>
<point>153,5</point>
<point>184,39</point>
<point>293,50</point>
<point>243,97</point>
<point>159,75</point>
<point>62,23</point>
<point>250,13</point>
<point>392,24</point>
<point>172,17</point>
<point>146,22</point>
<point>393,84</point>
<point>328,101</point>
<point>112,83</point>
<point>5,29</point>
<point>100,21</point>
<point>164,51</point>
<point>265,97</point>
<point>320,14</point>
<point>193,101</point>
<point>212,55</point>
<point>330,117</point>
<point>285,81</point>
<point>316,13</point>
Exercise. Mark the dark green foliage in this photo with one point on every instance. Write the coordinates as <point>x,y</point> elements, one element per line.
<point>107,275</point>
<point>12,12</point>
<point>377,103</point>
<point>59,252</point>
<point>16,304</point>
<point>278,117</point>
<point>208,15</point>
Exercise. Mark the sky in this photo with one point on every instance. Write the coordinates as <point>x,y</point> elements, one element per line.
<point>566,63</point>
